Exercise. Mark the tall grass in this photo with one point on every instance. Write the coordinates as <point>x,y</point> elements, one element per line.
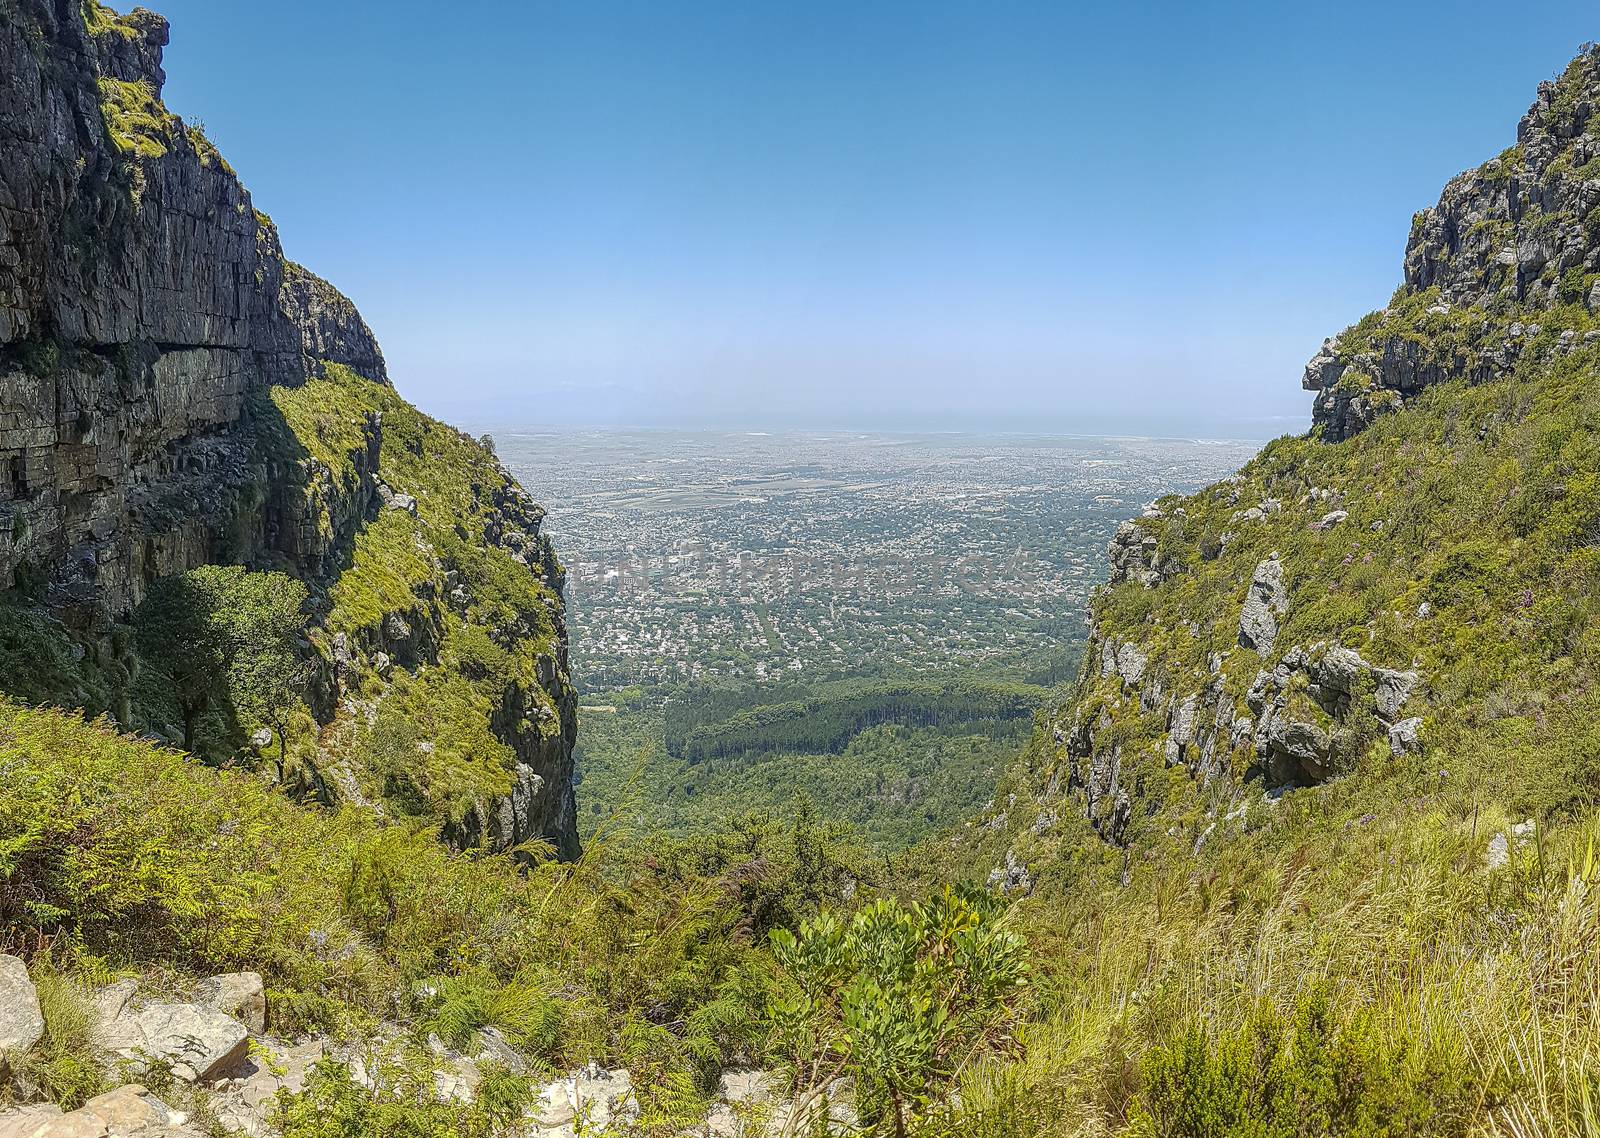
<point>1463,1000</point>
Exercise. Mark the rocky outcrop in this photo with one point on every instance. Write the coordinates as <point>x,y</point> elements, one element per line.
<point>330,327</point>
<point>1135,556</point>
<point>148,316</point>
<point>1506,240</point>
<point>1266,602</point>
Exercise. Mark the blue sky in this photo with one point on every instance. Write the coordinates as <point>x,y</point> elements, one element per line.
<point>1126,217</point>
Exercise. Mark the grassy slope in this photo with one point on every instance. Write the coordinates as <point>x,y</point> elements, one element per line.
<point>1394,978</point>
<point>1374,889</point>
<point>400,564</point>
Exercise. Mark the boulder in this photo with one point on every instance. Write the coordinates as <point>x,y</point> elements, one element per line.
<point>128,1112</point>
<point>1266,601</point>
<point>240,995</point>
<point>32,1120</point>
<point>746,1086</point>
<point>1298,751</point>
<point>199,1042</point>
<point>21,1022</point>
<point>1405,737</point>
<point>1393,690</point>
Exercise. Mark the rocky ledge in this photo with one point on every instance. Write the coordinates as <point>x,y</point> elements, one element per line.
<point>213,1049</point>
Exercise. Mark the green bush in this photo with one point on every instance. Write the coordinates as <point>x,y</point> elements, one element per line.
<point>900,997</point>
<point>1309,1076</point>
<point>222,646</point>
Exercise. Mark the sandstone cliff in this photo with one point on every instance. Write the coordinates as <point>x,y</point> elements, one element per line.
<point>175,392</point>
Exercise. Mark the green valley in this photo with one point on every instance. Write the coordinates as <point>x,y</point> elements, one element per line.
<point>828,784</point>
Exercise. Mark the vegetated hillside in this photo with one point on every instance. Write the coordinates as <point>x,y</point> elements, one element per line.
<point>176,395</point>
<point>121,859</point>
<point>222,529</point>
<point>1312,841</point>
<point>897,760</point>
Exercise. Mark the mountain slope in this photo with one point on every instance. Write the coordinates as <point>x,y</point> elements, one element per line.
<point>175,393</point>
<point>1413,578</point>
<point>1309,850</point>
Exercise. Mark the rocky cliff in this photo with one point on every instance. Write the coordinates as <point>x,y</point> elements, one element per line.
<point>1507,241</point>
<point>175,392</point>
<point>1404,592</point>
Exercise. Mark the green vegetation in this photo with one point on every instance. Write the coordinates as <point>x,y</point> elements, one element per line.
<point>888,758</point>
<point>898,998</point>
<point>1406,947</point>
<point>400,1103</point>
<point>432,748</point>
<point>135,119</point>
<point>650,955</point>
<point>828,721</point>
<point>224,644</point>
<point>42,663</point>
<point>1305,1076</point>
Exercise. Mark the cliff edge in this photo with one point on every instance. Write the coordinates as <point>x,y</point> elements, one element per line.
<point>175,393</point>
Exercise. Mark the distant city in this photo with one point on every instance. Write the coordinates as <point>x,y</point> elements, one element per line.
<point>753,557</point>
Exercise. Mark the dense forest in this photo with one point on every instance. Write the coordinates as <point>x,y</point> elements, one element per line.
<point>825,722</point>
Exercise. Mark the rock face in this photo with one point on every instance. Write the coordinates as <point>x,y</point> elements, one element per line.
<point>1267,601</point>
<point>147,317</point>
<point>1506,240</point>
<point>21,1024</point>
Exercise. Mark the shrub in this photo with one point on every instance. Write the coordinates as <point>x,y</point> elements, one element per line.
<point>1305,1077</point>
<point>900,997</point>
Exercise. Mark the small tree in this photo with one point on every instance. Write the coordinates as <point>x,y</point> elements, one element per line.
<point>227,638</point>
<point>262,625</point>
<point>901,997</point>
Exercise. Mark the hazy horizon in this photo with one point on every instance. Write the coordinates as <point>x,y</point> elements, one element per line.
<point>498,428</point>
